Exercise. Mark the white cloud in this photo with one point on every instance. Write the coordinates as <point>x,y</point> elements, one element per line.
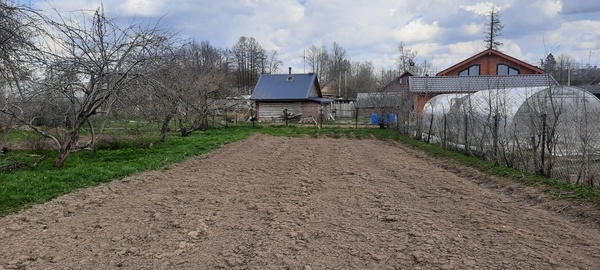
<point>550,7</point>
<point>446,31</point>
<point>513,50</point>
<point>465,48</point>
<point>577,38</point>
<point>417,31</point>
<point>143,7</point>
<point>483,8</point>
<point>472,28</point>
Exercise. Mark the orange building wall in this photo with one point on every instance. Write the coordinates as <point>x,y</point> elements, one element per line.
<point>420,101</point>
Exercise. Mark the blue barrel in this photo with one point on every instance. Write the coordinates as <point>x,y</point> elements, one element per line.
<point>377,119</point>
<point>392,118</point>
<point>374,119</point>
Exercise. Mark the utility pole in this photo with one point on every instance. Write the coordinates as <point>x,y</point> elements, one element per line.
<point>304,60</point>
<point>345,84</point>
<point>339,84</point>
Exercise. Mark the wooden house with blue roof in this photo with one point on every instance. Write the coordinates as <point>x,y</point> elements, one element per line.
<point>297,94</point>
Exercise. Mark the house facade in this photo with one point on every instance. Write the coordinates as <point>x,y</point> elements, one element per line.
<point>489,69</point>
<point>490,62</point>
<point>296,94</point>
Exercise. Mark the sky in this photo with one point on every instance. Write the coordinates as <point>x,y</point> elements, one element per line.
<point>442,32</point>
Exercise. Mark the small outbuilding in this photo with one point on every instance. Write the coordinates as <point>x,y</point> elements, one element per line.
<point>299,95</point>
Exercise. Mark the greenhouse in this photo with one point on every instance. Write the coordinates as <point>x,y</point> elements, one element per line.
<point>530,128</point>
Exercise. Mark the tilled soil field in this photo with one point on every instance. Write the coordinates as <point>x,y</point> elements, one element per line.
<point>305,203</point>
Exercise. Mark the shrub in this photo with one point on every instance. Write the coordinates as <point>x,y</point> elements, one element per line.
<point>108,143</point>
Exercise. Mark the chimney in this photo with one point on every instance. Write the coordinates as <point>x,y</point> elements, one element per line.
<point>290,68</point>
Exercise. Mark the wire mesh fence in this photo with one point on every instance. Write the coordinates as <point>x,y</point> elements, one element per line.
<point>553,131</point>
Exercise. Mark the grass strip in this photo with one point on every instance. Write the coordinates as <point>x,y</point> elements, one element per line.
<point>24,188</point>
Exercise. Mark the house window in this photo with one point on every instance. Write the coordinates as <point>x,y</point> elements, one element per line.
<point>471,71</point>
<point>503,69</point>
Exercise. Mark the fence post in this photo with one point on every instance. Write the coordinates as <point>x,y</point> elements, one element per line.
<point>430,128</point>
<point>495,138</point>
<point>321,116</point>
<point>445,132</point>
<point>543,157</point>
<point>356,118</point>
<point>466,138</point>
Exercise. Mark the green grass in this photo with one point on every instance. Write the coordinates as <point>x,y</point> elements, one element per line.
<point>20,135</point>
<point>558,188</point>
<point>31,186</point>
<point>23,188</point>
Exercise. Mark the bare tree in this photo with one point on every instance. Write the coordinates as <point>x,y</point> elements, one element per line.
<point>202,82</point>
<point>361,78</point>
<point>270,63</point>
<point>407,61</point>
<point>386,76</point>
<point>190,79</point>
<point>406,58</point>
<point>89,61</point>
<point>339,66</point>
<point>18,27</point>
<point>318,58</point>
<point>249,59</point>
<point>492,30</point>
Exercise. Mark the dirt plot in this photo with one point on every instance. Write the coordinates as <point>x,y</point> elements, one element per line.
<point>304,203</point>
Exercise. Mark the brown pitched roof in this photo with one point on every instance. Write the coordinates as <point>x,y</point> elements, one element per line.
<point>494,52</point>
<point>392,82</point>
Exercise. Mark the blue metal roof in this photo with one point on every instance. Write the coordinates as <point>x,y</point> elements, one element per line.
<point>286,87</point>
<point>470,84</point>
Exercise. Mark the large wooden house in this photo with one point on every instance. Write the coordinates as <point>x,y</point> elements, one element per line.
<point>489,69</point>
<point>490,62</point>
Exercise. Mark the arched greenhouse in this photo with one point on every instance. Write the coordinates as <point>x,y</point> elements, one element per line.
<point>549,130</point>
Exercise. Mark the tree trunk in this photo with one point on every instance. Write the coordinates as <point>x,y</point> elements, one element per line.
<point>6,132</point>
<point>65,150</point>
<point>67,147</point>
<point>165,127</point>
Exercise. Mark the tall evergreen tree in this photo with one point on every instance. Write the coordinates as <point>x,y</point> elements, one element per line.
<point>549,64</point>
